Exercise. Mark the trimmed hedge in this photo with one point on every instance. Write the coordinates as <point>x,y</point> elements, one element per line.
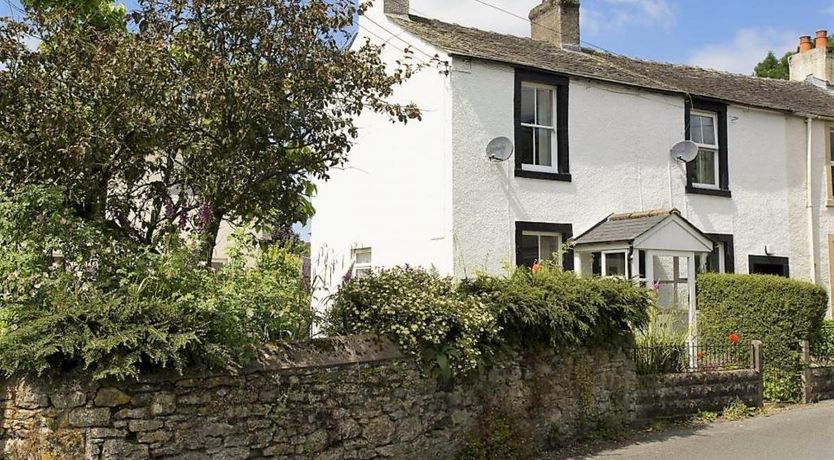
<point>778,311</point>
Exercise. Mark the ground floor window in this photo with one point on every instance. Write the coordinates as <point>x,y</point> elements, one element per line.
<point>362,261</point>
<point>770,265</point>
<point>721,259</point>
<point>539,241</point>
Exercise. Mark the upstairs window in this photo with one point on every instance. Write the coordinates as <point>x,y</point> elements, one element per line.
<point>362,262</point>
<point>541,119</point>
<point>703,127</point>
<point>538,128</point>
<point>706,126</point>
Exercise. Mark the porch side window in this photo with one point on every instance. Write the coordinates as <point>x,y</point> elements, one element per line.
<point>541,147</point>
<point>539,241</point>
<point>706,126</point>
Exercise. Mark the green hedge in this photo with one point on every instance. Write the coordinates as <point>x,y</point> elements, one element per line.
<point>458,327</point>
<point>778,311</point>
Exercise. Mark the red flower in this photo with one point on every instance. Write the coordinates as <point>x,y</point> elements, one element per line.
<point>733,338</point>
<point>537,267</point>
<point>700,356</point>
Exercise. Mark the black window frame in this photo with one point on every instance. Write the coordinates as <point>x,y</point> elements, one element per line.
<point>720,109</point>
<point>729,250</point>
<point>561,85</point>
<point>769,260</point>
<point>566,230</point>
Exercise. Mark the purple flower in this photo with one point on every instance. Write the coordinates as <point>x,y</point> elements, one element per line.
<point>183,221</point>
<point>656,285</point>
<point>348,275</point>
<point>204,215</point>
<point>169,210</point>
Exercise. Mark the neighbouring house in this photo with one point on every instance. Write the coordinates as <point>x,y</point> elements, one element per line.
<point>592,133</point>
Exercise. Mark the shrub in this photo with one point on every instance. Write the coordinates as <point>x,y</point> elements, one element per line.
<point>422,312</point>
<point>778,311</point>
<point>119,309</point>
<point>550,307</point>
<point>499,434</point>
<point>458,328</point>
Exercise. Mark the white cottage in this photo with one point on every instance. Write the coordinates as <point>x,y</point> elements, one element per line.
<point>592,134</point>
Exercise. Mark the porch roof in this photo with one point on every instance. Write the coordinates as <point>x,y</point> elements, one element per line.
<point>629,227</point>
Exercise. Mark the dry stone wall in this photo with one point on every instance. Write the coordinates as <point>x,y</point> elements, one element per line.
<point>337,398</point>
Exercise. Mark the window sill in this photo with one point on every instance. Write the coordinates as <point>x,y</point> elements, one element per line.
<point>708,191</point>
<point>543,175</point>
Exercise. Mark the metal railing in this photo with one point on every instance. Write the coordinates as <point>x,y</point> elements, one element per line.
<point>678,359</point>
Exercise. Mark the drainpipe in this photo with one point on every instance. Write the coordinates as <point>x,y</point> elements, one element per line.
<point>809,197</point>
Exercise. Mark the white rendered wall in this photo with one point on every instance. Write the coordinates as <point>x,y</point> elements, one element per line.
<point>394,195</point>
<point>619,160</point>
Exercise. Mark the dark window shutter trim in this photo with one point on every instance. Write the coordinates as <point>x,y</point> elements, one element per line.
<point>723,160</point>
<point>566,230</point>
<point>562,141</point>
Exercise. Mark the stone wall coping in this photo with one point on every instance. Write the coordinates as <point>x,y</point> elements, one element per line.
<point>325,352</point>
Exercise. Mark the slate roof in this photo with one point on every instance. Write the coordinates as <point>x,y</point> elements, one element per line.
<point>790,96</point>
<point>624,227</point>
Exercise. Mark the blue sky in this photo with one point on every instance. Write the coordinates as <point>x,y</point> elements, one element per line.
<point>726,34</point>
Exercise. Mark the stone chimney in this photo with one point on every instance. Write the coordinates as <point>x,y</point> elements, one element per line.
<point>395,7</point>
<point>556,22</point>
<point>814,59</point>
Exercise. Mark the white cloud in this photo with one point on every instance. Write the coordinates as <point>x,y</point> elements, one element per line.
<point>747,48</point>
<point>616,14</point>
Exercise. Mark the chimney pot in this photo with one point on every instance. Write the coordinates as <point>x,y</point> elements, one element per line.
<point>556,22</point>
<point>822,39</point>
<point>805,44</point>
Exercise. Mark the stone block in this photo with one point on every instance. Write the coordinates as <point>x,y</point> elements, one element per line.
<point>83,417</point>
<point>111,397</point>
<point>119,449</point>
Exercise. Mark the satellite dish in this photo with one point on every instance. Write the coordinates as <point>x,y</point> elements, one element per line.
<point>499,149</point>
<point>685,151</point>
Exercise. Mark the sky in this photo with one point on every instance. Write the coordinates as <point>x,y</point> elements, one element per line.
<point>730,35</point>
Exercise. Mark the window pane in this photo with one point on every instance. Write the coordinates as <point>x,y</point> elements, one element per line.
<point>615,264</point>
<point>528,252</point>
<point>544,146</point>
<point>708,130</point>
<point>705,167</point>
<point>544,106</point>
<point>713,264</point>
<point>549,246</point>
<point>525,147</point>
<point>695,129</point>
<point>362,256</point>
<point>528,108</point>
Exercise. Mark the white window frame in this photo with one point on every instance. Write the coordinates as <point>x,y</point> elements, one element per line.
<point>539,236</point>
<point>604,266</point>
<point>554,149</point>
<point>360,269</point>
<point>715,148</point>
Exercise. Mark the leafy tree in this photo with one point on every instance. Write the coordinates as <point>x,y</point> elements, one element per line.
<point>97,13</point>
<point>197,112</point>
<point>780,68</point>
<point>771,67</point>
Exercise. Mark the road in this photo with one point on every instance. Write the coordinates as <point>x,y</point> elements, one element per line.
<point>800,434</point>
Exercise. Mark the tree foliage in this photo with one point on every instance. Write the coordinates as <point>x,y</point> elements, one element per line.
<point>73,297</point>
<point>780,68</point>
<point>194,113</point>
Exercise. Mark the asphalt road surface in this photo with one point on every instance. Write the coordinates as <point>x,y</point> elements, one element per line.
<point>800,434</point>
